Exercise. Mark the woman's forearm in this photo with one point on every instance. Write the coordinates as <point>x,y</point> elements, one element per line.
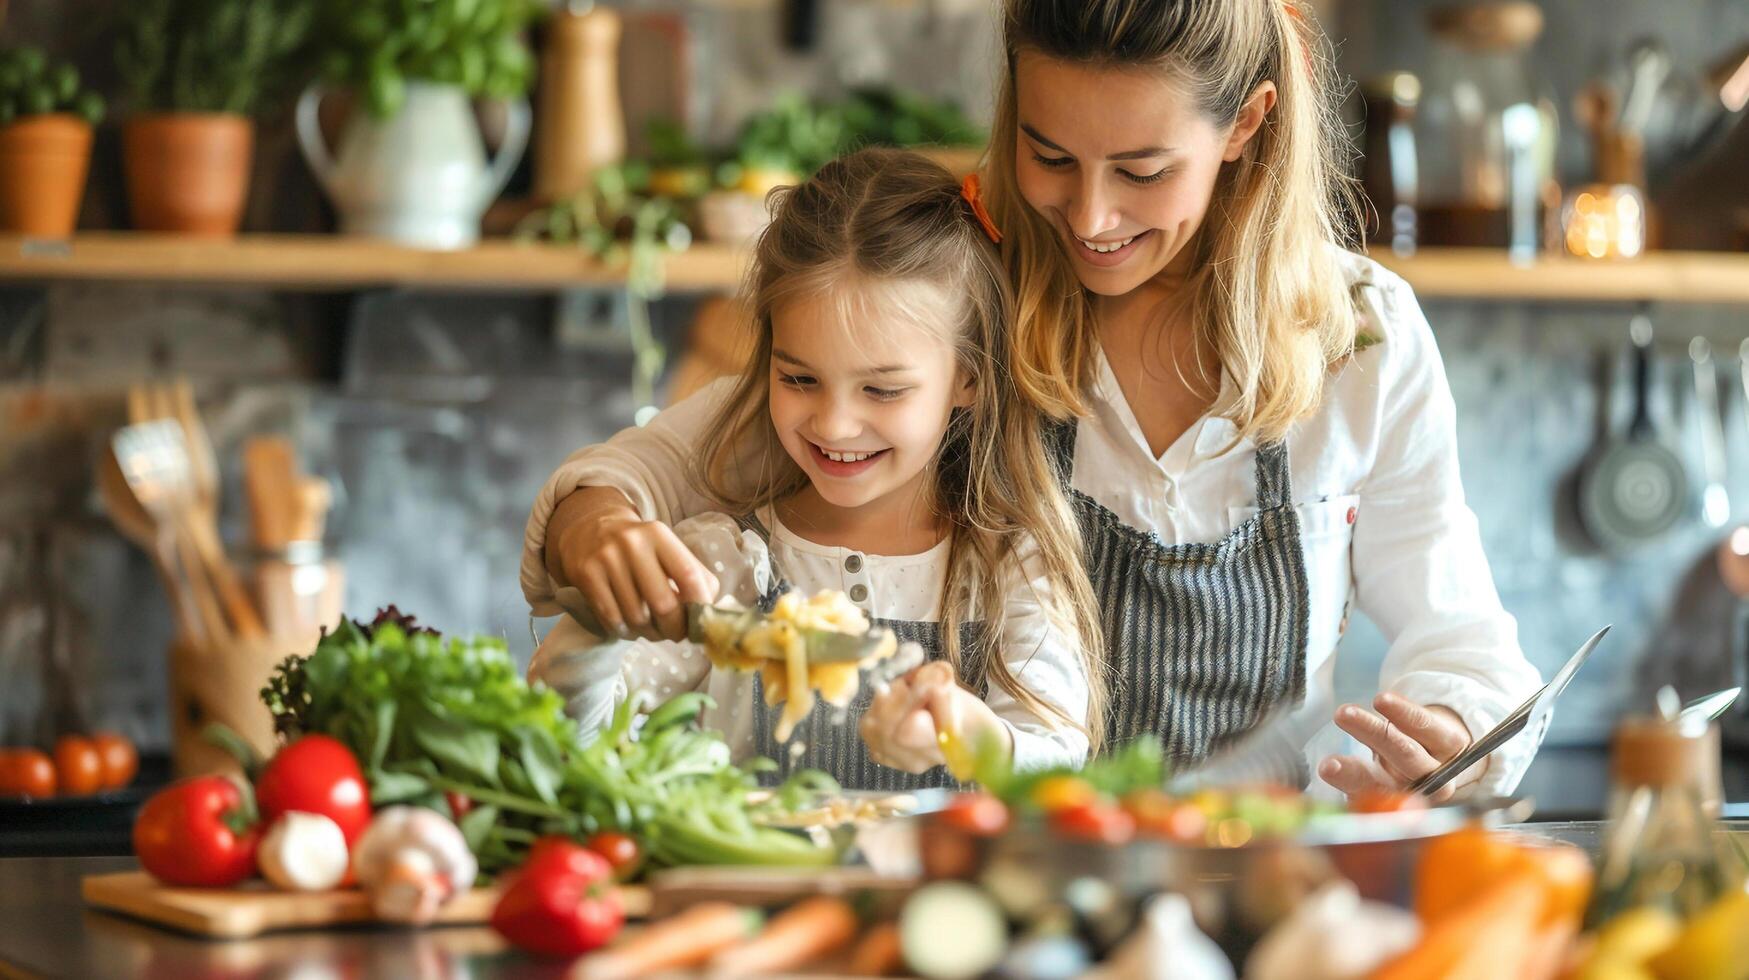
<point>581,514</point>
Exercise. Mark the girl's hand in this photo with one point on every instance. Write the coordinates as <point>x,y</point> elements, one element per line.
<point>1408,741</point>
<point>902,723</point>
<point>635,574</point>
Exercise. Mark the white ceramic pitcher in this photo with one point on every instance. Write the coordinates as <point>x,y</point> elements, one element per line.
<point>420,177</point>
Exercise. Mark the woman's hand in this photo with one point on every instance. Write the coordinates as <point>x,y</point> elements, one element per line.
<point>902,723</point>
<point>1408,741</point>
<point>635,574</point>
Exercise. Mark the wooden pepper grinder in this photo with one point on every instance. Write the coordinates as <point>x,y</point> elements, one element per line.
<point>580,124</point>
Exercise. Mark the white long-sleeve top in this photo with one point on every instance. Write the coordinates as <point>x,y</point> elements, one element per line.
<point>594,676</point>
<point>1375,479</point>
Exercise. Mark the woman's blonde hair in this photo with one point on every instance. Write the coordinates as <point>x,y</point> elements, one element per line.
<point>1266,293</point>
<point>872,227</point>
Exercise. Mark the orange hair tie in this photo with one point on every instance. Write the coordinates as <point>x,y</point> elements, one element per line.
<point>974,196</point>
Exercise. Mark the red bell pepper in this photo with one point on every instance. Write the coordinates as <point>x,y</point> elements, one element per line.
<point>561,902</point>
<point>200,832</point>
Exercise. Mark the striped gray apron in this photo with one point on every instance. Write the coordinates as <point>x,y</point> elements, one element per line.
<point>828,738</point>
<point>1201,639</point>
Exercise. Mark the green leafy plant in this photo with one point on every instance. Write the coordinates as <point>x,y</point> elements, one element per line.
<point>432,719</point>
<point>211,55</point>
<point>378,46</point>
<point>33,84</point>
<point>618,219</point>
<point>801,136</point>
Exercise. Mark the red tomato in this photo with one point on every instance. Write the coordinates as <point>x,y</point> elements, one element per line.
<point>459,804</point>
<point>197,832</point>
<point>26,772</point>
<point>120,761</point>
<point>316,774</point>
<point>621,852</point>
<point>978,814</point>
<point>1159,815</point>
<point>78,768</point>
<point>1380,801</point>
<point>560,902</point>
<point>1098,822</point>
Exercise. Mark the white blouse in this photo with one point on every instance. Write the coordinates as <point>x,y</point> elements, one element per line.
<point>594,676</point>
<point>1383,520</point>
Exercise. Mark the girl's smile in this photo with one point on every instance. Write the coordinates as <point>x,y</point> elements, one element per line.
<point>845,463</point>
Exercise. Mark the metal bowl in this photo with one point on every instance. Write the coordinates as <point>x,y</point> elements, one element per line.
<point>1235,893</point>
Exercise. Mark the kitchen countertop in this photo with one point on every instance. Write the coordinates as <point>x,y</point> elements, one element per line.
<point>47,930</point>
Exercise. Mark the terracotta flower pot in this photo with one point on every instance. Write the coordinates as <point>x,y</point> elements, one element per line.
<point>43,161</point>
<point>188,172</point>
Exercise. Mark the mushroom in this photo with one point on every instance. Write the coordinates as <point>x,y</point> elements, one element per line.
<point>412,860</point>
<point>304,852</point>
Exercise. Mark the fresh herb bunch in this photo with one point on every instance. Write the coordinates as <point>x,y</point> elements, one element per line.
<point>32,84</point>
<point>378,46</point>
<point>430,716</point>
<point>232,56</point>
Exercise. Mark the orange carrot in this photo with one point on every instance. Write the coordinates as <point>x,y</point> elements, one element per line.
<point>808,930</point>
<point>879,953</point>
<point>1492,936</point>
<point>685,939</point>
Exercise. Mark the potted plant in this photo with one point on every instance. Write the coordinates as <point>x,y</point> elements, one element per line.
<point>45,143</point>
<point>196,71</point>
<point>410,164</point>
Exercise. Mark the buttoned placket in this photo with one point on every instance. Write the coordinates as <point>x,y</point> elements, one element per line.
<point>856,578</point>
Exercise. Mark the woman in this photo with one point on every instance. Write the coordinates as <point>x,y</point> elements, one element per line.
<point>1257,425</point>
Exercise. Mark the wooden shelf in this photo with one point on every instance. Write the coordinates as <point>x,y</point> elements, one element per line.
<point>1480,273</point>
<point>331,262</point>
<point>337,262</point>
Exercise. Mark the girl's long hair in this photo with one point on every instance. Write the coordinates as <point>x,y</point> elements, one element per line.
<point>1265,292</point>
<point>888,231</point>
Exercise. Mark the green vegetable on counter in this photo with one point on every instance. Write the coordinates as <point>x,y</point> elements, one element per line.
<point>430,716</point>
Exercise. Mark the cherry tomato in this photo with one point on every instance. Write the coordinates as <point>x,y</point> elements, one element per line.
<point>621,852</point>
<point>316,774</point>
<point>1159,815</point>
<point>1054,793</point>
<point>120,761</point>
<point>978,814</point>
<point>78,768</point>
<point>198,832</point>
<point>460,804</point>
<point>1095,821</point>
<point>1380,801</point>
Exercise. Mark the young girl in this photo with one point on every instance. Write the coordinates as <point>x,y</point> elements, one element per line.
<point>1261,439</point>
<point>875,446</point>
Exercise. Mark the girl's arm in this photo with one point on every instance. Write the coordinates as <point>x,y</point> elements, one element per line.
<point>608,542</point>
<point>1419,570</point>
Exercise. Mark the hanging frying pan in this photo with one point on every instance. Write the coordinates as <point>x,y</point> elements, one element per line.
<point>1635,489</point>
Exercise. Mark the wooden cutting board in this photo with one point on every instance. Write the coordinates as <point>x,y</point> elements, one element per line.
<point>236,913</point>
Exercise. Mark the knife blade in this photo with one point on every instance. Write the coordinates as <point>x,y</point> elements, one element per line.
<point>1533,713</point>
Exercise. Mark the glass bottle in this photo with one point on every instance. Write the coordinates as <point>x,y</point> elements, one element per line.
<point>1485,130</point>
<point>1658,847</point>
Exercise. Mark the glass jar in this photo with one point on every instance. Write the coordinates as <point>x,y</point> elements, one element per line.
<point>1664,802</point>
<point>1485,130</point>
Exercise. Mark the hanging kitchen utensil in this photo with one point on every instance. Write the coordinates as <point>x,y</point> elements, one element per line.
<point>1715,499</point>
<point>1709,707</point>
<point>1635,489</point>
<point>1532,714</point>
